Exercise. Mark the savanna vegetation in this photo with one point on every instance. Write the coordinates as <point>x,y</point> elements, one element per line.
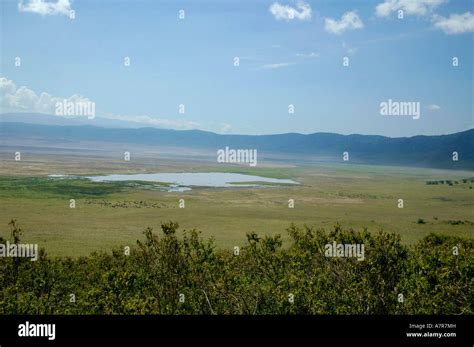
<point>173,272</point>
<point>112,214</point>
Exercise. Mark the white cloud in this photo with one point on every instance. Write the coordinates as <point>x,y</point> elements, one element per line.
<point>13,99</point>
<point>7,86</point>
<point>302,11</point>
<point>349,50</point>
<point>45,8</point>
<point>409,7</point>
<point>225,128</point>
<point>23,99</point>
<point>276,65</point>
<point>308,55</point>
<point>455,23</point>
<point>433,107</point>
<point>180,124</point>
<point>349,21</point>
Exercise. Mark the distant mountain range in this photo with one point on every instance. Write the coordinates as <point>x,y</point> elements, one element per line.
<point>421,151</point>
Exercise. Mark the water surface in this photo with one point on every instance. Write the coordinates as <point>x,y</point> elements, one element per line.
<point>195,179</point>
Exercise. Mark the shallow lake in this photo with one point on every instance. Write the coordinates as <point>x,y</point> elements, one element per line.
<point>195,179</point>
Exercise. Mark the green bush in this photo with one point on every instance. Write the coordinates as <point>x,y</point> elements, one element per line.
<point>167,274</point>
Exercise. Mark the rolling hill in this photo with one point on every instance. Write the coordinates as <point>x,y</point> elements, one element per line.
<point>421,151</point>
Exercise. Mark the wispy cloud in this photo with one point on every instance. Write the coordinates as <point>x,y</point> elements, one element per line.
<point>433,107</point>
<point>46,8</point>
<point>455,23</point>
<point>276,65</point>
<point>302,11</point>
<point>349,50</point>
<point>180,124</point>
<point>349,21</point>
<point>226,128</point>
<point>307,55</point>
<point>409,7</point>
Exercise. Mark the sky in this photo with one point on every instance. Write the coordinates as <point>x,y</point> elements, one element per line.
<point>289,53</point>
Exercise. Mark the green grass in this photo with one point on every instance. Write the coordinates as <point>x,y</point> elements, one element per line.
<point>46,187</point>
<point>261,183</point>
<point>354,196</point>
<point>285,173</point>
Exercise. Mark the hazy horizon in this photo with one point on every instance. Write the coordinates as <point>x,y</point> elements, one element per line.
<point>131,125</point>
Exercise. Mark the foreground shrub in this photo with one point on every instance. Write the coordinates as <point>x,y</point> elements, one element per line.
<point>167,274</point>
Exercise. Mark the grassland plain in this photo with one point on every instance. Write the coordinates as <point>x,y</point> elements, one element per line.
<point>113,214</point>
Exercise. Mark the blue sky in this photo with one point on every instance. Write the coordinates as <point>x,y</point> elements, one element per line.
<point>290,53</point>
